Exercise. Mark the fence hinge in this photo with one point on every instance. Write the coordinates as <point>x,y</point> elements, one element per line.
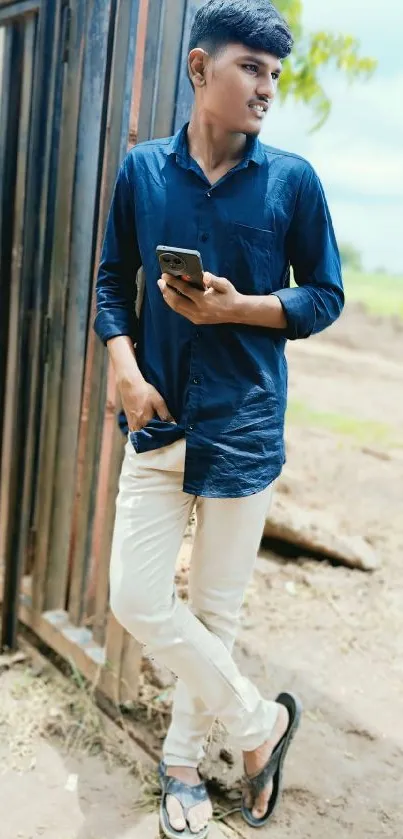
<point>66,35</point>
<point>46,339</point>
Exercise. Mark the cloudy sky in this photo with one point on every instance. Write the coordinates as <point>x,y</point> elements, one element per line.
<point>359,152</point>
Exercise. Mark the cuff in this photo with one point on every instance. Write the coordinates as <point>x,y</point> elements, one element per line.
<point>110,323</point>
<point>299,311</point>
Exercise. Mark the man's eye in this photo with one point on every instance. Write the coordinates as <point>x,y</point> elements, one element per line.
<point>253,68</point>
<point>275,76</point>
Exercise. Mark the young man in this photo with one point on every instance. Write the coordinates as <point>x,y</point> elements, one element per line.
<point>203,381</point>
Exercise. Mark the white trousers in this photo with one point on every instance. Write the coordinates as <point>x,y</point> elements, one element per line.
<point>194,641</point>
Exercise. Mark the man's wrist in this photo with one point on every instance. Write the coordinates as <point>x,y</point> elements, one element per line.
<point>123,358</point>
<point>265,311</point>
<point>129,376</point>
<point>239,309</point>
<point>245,307</point>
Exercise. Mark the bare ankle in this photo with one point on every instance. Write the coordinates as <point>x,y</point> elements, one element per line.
<point>278,731</point>
<point>187,774</point>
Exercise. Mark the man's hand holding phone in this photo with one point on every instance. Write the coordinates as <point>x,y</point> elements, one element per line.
<point>190,291</point>
<point>218,303</point>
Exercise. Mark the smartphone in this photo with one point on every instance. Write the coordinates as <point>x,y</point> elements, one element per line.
<point>182,263</point>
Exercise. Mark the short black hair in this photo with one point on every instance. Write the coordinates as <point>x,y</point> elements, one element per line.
<point>254,23</point>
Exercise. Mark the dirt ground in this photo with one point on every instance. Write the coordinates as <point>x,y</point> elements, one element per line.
<point>331,634</point>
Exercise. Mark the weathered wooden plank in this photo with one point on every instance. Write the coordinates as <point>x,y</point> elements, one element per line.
<point>9,12</point>
<point>112,444</point>
<point>132,654</point>
<point>43,55</point>
<point>9,113</point>
<point>184,93</point>
<point>26,153</point>
<point>5,70</point>
<point>111,673</point>
<point>89,150</point>
<point>110,466</point>
<point>151,67</point>
<point>137,83</point>
<point>46,71</point>
<point>12,467</point>
<point>113,667</point>
<point>167,96</point>
<point>88,460</point>
<point>313,532</point>
<point>47,588</point>
<point>166,82</point>
<point>71,642</point>
<point>96,368</point>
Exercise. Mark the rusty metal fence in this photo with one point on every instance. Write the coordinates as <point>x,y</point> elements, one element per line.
<point>80,82</point>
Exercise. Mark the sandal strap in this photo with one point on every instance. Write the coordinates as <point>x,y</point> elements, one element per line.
<point>187,795</point>
<point>258,783</point>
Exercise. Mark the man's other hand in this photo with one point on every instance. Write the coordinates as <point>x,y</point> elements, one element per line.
<point>141,403</point>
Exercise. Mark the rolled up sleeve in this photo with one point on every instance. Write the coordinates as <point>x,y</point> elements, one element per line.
<point>312,250</point>
<point>120,261</point>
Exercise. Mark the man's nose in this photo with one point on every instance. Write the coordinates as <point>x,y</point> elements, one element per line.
<point>267,89</point>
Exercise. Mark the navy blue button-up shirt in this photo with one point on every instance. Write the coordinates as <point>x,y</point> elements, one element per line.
<point>225,385</point>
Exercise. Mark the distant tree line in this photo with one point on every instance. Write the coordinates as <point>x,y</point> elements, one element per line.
<point>350,256</point>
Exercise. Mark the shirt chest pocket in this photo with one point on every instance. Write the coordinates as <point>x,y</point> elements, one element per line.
<point>249,258</point>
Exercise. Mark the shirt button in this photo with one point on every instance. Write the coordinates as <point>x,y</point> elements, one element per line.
<point>208,195</point>
<point>191,427</point>
<point>204,237</point>
<point>196,381</point>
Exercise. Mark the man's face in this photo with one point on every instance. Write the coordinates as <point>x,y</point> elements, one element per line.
<point>240,86</point>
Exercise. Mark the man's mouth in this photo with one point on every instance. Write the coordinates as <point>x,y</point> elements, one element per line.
<point>259,109</point>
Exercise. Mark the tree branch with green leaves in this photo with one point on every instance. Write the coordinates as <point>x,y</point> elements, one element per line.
<point>313,52</point>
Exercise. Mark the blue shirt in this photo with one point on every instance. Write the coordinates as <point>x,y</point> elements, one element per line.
<point>225,385</point>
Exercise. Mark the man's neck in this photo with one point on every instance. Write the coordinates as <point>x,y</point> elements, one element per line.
<point>212,147</point>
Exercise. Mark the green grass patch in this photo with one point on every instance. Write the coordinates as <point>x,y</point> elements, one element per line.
<point>363,432</point>
<point>380,294</point>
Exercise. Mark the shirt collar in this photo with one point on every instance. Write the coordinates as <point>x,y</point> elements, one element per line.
<point>179,146</point>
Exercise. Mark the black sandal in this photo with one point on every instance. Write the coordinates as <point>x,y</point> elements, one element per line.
<point>187,796</point>
<point>274,766</point>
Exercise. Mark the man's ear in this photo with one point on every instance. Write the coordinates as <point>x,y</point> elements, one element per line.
<point>197,63</point>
